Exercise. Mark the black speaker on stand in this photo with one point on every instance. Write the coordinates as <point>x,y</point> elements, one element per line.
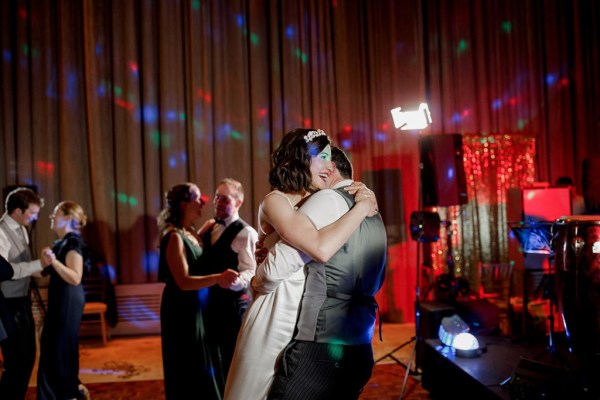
<point>443,179</point>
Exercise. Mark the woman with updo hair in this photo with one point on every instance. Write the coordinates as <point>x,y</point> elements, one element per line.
<point>58,371</point>
<point>190,369</point>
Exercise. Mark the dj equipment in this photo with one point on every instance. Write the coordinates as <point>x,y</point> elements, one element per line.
<point>577,269</point>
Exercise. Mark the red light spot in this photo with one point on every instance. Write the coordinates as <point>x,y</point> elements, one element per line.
<point>306,123</point>
<point>125,104</point>
<point>262,112</point>
<point>133,66</point>
<point>564,81</point>
<point>512,101</point>
<point>348,128</point>
<point>23,13</point>
<point>207,98</point>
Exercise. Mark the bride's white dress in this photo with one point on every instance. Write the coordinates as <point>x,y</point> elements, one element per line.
<point>269,323</point>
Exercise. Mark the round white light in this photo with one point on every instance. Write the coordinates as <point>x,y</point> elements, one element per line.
<point>465,341</point>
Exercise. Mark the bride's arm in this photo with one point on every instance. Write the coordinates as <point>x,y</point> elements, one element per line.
<point>296,229</point>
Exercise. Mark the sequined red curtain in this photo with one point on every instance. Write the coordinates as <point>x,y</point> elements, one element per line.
<point>479,231</point>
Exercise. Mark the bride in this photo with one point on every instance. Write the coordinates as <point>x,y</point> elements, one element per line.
<point>302,163</point>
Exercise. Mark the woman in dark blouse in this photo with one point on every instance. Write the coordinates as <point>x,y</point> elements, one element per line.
<point>58,371</point>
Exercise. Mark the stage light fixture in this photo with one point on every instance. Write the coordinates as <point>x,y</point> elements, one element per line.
<point>454,333</point>
<point>412,120</point>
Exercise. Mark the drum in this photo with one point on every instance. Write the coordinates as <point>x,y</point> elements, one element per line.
<point>576,245</point>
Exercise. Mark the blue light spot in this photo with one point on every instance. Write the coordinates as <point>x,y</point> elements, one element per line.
<point>239,20</point>
<point>290,32</point>
<point>450,173</point>
<point>172,162</point>
<point>71,89</point>
<point>268,136</point>
<point>7,55</point>
<point>98,49</point>
<point>380,136</point>
<point>551,79</point>
<point>171,115</point>
<point>101,90</point>
<point>456,117</point>
<point>496,104</point>
<point>347,143</point>
<point>149,114</point>
<point>183,157</point>
<point>151,261</point>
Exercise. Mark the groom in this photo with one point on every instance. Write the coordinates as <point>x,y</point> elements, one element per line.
<point>331,355</point>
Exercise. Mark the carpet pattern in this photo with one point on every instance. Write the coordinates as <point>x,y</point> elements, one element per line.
<point>131,368</point>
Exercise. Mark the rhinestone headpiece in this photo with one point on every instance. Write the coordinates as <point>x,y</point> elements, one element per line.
<point>313,134</point>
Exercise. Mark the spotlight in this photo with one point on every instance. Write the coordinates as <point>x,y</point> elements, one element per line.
<point>411,120</point>
<point>454,333</point>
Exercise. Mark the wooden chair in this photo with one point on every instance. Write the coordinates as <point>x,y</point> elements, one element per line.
<point>495,286</point>
<point>95,301</point>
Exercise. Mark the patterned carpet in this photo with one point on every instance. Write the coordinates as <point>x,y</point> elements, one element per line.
<point>386,384</point>
<point>131,368</point>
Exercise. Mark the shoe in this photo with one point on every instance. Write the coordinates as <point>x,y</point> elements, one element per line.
<point>84,393</point>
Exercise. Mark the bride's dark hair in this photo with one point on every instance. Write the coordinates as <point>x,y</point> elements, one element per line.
<point>291,160</point>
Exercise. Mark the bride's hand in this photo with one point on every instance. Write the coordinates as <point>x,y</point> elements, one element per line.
<point>366,197</point>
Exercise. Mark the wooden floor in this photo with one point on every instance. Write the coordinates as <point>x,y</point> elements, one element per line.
<point>131,368</point>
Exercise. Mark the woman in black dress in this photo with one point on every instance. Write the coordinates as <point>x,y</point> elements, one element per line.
<point>188,365</point>
<point>59,346</point>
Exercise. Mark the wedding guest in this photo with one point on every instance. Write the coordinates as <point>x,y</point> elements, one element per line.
<point>58,370</point>
<point>229,244</point>
<point>22,207</point>
<point>188,364</point>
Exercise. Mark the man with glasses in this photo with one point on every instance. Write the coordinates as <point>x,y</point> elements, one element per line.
<point>229,244</point>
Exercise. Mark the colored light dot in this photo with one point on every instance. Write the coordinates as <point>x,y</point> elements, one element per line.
<point>132,201</point>
<point>25,49</point>
<point>506,26</point>
<point>254,39</point>
<point>122,197</point>
<point>235,135</point>
<point>182,116</point>
<point>118,91</point>
<point>462,46</point>
<point>195,5</point>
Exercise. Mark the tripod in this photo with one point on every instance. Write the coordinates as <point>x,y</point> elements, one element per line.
<point>424,228</point>
<point>549,288</point>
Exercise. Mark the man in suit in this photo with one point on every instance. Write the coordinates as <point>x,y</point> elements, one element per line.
<point>229,244</point>
<point>331,355</point>
<point>19,348</point>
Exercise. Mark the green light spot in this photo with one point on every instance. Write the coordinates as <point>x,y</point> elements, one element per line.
<point>304,58</point>
<point>155,137</point>
<point>235,135</point>
<point>462,46</point>
<point>132,201</point>
<point>195,5</point>
<point>254,39</point>
<point>298,53</point>
<point>521,123</point>
<point>122,197</point>
<point>506,26</point>
<point>25,49</point>
<point>118,90</point>
<point>182,116</point>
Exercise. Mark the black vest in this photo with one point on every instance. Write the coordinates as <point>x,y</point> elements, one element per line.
<point>217,258</point>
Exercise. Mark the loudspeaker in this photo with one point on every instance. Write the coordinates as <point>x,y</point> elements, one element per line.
<point>443,180</point>
<point>387,186</point>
